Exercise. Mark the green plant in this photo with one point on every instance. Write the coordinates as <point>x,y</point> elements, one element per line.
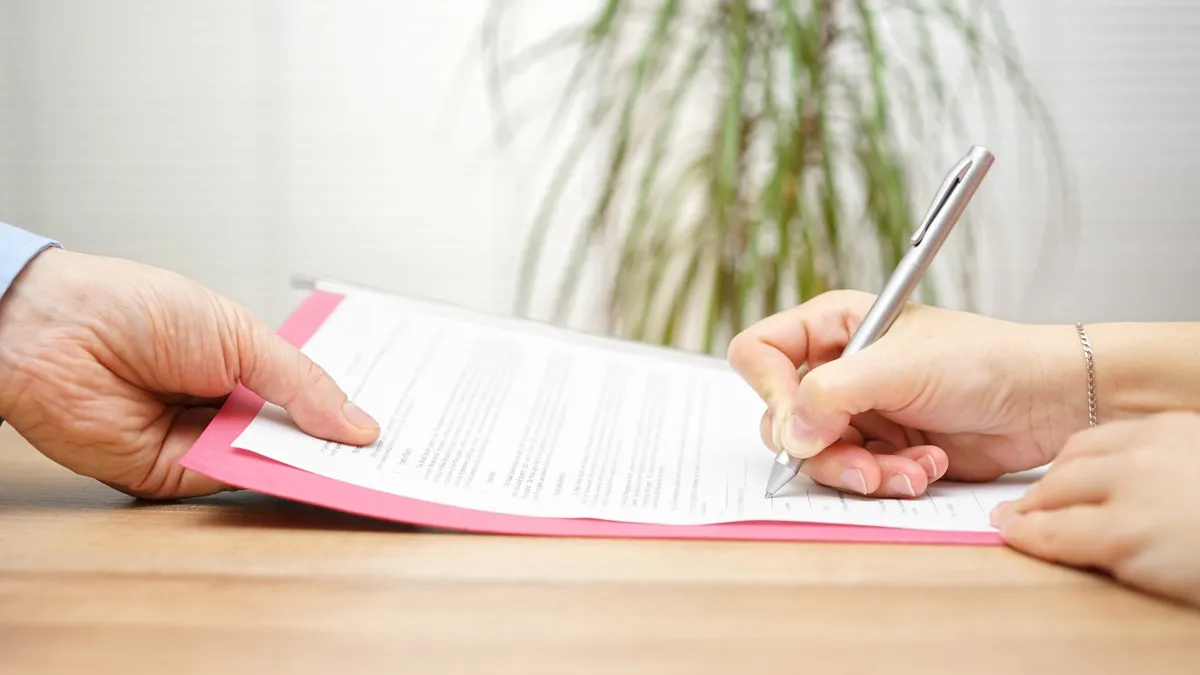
<point>820,124</point>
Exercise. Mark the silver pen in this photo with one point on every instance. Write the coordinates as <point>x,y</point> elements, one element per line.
<point>947,207</point>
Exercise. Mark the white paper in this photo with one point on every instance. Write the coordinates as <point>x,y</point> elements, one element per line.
<point>521,418</point>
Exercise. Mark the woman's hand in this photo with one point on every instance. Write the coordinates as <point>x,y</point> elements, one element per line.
<point>942,394</point>
<point>113,369</point>
<point>1123,498</point>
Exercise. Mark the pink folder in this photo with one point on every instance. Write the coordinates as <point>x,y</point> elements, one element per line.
<point>213,456</point>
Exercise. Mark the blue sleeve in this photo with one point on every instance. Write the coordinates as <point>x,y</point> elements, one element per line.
<point>17,248</point>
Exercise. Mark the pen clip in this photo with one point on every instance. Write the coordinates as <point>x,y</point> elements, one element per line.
<point>953,180</point>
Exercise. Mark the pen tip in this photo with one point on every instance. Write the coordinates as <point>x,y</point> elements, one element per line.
<point>769,495</point>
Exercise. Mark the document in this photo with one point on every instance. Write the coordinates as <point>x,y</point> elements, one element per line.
<point>522,419</point>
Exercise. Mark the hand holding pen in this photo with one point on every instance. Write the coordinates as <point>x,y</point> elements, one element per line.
<point>875,395</point>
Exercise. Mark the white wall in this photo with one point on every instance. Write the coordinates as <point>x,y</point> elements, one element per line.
<point>241,142</point>
<point>1124,78</point>
<point>7,160</point>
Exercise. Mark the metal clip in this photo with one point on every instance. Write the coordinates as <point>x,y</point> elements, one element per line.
<point>943,195</point>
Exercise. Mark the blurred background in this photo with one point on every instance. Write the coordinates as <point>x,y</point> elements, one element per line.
<point>411,145</point>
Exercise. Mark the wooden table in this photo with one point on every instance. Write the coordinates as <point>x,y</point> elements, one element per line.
<point>94,582</point>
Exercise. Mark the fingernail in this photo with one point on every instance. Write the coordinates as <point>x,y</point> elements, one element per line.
<point>358,417</point>
<point>901,485</point>
<point>930,467</point>
<point>994,515</point>
<point>799,439</point>
<point>1002,516</point>
<point>852,479</point>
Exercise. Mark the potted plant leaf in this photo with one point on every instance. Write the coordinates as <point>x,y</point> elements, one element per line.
<point>755,155</point>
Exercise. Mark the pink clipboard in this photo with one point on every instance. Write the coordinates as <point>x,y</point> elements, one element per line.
<point>214,456</point>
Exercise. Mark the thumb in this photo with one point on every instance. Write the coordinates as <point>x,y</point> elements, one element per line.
<point>281,374</point>
<point>831,394</point>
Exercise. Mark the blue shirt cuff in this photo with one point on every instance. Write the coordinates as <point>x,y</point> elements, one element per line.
<point>17,248</point>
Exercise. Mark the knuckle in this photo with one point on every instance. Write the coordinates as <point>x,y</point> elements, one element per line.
<point>137,479</point>
<point>816,386</point>
<point>820,402</point>
<point>1125,536</point>
<point>314,375</point>
<point>1038,530</point>
<point>740,346</point>
<point>143,490</point>
<point>1035,496</point>
<point>241,343</point>
<point>301,383</point>
<point>847,297</point>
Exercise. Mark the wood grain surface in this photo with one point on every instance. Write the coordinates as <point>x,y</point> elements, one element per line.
<point>92,581</point>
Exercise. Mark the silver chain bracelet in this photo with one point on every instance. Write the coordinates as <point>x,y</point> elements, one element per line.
<point>1091,373</point>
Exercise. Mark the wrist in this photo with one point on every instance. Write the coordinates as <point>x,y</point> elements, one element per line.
<point>1138,371</point>
<point>1060,406</point>
<point>1145,368</point>
<point>21,324</point>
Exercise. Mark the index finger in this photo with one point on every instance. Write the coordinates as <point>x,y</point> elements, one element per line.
<point>769,354</point>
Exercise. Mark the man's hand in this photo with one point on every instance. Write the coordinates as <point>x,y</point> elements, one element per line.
<point>113,369</point>
<point>1123,498</point>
